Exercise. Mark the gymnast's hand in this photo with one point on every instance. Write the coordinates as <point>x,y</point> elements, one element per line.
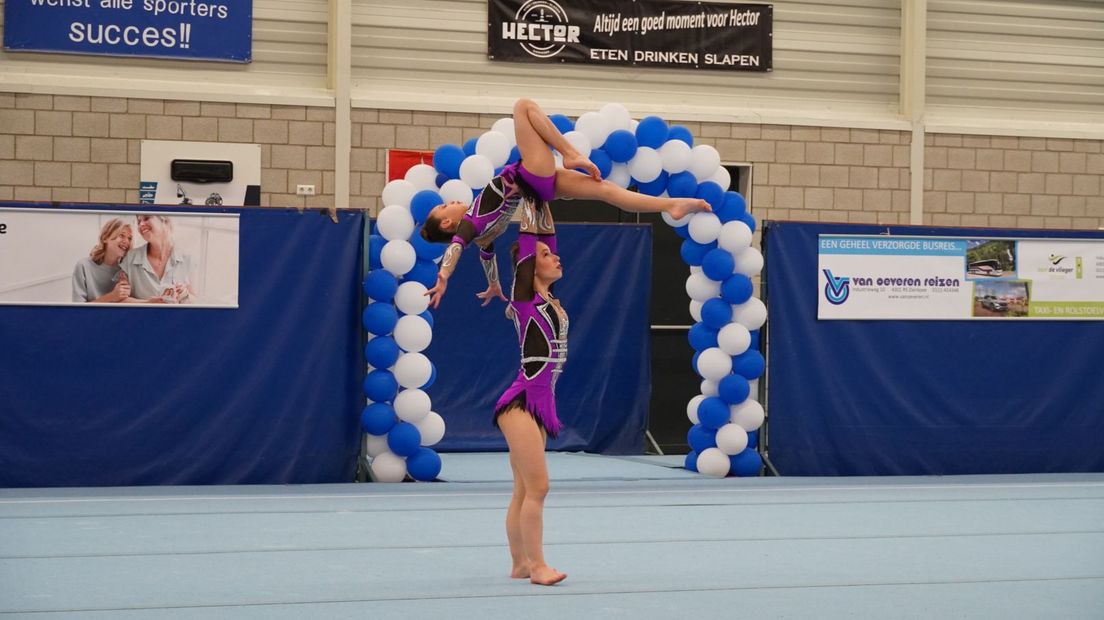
<point>493,290</point>
<point>571,163</point>
<point>438,291</point>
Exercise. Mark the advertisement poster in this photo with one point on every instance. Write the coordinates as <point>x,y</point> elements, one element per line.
<point>63,257</point>
<point>927,278</point>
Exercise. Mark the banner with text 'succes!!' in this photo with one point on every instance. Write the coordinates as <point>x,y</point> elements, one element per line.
<point>955,278</point>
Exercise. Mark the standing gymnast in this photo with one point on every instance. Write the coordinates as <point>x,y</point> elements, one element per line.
<point>534,178</point>
<point>526,411</point>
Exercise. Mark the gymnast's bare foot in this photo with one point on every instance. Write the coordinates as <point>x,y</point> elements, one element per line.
<point>686,206</point>
<point>520,571</point>
<point>546,576</point>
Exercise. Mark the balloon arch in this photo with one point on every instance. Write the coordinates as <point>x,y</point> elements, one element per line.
<point>660,160</point>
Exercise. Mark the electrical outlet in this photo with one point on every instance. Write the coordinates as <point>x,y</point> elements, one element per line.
<point>304,190</point>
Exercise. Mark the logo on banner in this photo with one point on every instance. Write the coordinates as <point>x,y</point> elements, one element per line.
<point>542,28</point>
<point>1055,259</point>
<point>836,290</point>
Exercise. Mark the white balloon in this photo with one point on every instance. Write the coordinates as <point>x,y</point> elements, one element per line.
<point>395,223</point>
<point>722,177</point>
<point>735,236</point>
<point>749,262</point>
<point>709,388</point>
<point>692,408</point>
<point>495,146</point>
<point>455,190</point>
<point>580,141</point>
<point>477,171</point>
<point>398,257</point>
<point>411,298</point>
<point>704,227</point>
<point>432,428</point>
<point>505,126</point>
<point>751,314</point>
<point>676,223</point>
<point>748,415</point>
<point>617,116</point>
<point>412,370</point>
<point>731,439</point>
<point>696,269</point>
<point>754,385</point>
<point>675,155</point>
<point>375,445</point>
<point>646,165</point>
<point>413,333</point>
<point>695,309</point>
<point>713,462</point>
<point>594,126</point>
<point>388,467</point>
<point>422,176</point>
<point>701,288</point>
<point>714,364</point>
<point>704,160</point>
<point>398,192</point>
<point>619,176</point>
<point>412,405</point>
<point>632,126</point>
<point>733,338</point>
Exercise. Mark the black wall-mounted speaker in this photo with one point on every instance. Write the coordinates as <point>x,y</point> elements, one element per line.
<point>202,171</point>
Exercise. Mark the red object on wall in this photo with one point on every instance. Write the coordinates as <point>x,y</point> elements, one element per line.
<point>398,162</point>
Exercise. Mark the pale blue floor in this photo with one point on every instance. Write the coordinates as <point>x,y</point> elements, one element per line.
<point>638,539</point>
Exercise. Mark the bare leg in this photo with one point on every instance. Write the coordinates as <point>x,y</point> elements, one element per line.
<point>513,527</point>
<point>535,133</point>
<point>572,184</point>
<point>526,442</point>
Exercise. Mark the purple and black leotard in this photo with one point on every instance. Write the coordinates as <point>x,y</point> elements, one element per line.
<point>492,210</point>
<point>542,333</point>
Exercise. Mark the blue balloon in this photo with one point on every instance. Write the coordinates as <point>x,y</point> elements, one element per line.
<point>702,337</point>
<point>440,180</point>
<point>498,170</point>
<point>712,193</point>
<point>378,418</point>
<point>422,203</point>
<point>379,318</point>
<point>380,386</point>
<point>621,145</point>
<point>600,158</point>
<point>693,252</point>
<point>691,461</point>
<point>426,250</point>
<point>563,123</point>
<point>432,377</point>
<point>736,289</point>
<point>753,439</point>
<point>656,187</point>
<point>682,185</point>
<point>754,340</point>
<point>380,285</point>
<point>701,438</point>
<point>423,272</point>
<point>694,360</point>
<point>652,132</point>
<point>375,246</point>
<point>733,389</point>
<point>749,220</point>
<point>381,352</point>
<point>404,439</point>
<point>682,231</point>
<point>731,208</point>
<point>713,413</point>
<point>424,465</point>
<point>469,148</point>
<point>447,159</point>
<point>428,316</point>
<point>716,313</point>
<point>515,155</point>
<point>745,464</point>
<point>678,132</point>
<point>749,364</point>
<point>718,264</point>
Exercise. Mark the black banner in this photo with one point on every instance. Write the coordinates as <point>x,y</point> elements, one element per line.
<point>644,33</point>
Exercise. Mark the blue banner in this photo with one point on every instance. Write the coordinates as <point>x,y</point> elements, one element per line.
<point>184,29</point>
